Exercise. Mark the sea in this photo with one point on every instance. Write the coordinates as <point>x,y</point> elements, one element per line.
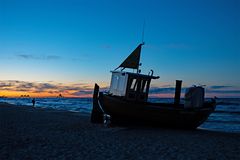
<point>226,117</point>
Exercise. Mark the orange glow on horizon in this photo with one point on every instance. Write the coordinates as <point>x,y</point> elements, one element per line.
<point>14,88</point>
<point>15,94</point>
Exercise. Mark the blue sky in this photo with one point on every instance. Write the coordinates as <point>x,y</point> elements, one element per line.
<point>68,41</point>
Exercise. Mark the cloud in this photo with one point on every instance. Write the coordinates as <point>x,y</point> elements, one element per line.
<point>82,92</point>
<point>53,57</point>
<point>38,57</point>
<point>219,87</point>
<point>26,85</point>
<point>160,90</point>
<point>26,56</point>
<point>53,92</point>
<point>8,84</point>
<point>223,91</point>
<point>47,87</point>
<point>3,84</point>
<point>213,90</point>
<point>177,46</point>
<point>156,90</point>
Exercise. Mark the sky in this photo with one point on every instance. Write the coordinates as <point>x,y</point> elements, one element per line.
<point>52,47</point>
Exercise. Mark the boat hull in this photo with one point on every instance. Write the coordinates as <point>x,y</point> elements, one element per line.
<point>157,114</point>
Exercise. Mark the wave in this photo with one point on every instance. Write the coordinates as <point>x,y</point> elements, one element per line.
<point>228,103</point>
<point>228,112</point>
<point>225,122</point>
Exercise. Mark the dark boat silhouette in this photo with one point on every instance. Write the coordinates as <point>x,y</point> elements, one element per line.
<point>126,102</point>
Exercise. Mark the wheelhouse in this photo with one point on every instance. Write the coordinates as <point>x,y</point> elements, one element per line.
<point>130,86</point>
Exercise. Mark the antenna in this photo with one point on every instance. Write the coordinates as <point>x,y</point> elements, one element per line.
<point>138,70</point>
<point>143,31</point>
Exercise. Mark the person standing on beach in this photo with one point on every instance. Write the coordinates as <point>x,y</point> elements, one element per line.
<point>33,102</point>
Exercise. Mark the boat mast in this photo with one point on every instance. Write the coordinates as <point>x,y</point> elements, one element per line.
<point>138,70</point>
<point>133,60</point>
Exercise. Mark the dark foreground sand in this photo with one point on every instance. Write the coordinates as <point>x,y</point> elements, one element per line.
<point>30,133</point>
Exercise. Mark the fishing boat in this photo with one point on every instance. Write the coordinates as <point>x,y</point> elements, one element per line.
<point>126,102</point>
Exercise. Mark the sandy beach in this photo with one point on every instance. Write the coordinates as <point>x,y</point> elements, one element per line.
<point>36,133</point>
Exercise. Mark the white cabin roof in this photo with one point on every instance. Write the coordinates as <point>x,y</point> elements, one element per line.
<point>136,74</point>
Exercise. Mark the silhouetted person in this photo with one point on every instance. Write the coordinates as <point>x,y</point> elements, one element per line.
<point>33,102</point>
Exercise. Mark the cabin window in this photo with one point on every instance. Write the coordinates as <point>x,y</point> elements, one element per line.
<point>121,83</point>
<point>115,82</point>
<point>138,84</point>
<point>134,85</point>
<point>144,86</point>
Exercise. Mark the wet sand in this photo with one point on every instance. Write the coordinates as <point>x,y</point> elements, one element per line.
<point>35,133</point>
